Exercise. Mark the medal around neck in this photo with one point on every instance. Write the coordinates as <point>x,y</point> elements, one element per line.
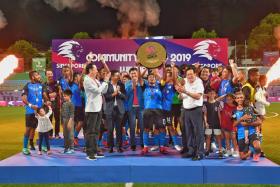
<point>151,54</point>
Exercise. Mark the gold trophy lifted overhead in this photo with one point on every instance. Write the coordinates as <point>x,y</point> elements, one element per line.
<point>151,54</point>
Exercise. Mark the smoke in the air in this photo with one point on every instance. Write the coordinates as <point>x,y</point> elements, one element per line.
<point>3,20</point>
<point>75,5</point>
<point>135,16</point>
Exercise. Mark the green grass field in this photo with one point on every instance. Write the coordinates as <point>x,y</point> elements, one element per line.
<point>12,129</point>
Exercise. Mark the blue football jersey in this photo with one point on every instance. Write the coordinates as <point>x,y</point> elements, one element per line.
<point>240,128</point>
<point>34,93</point>
<point>168,92</point>
<point>152,97</point>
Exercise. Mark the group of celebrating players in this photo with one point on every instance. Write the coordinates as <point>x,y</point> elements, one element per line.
<point>218,107</point>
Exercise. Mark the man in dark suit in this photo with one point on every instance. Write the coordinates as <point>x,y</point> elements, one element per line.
<point>114,110</point>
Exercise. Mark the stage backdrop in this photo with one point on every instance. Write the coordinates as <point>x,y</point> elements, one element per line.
<point>120,53</point>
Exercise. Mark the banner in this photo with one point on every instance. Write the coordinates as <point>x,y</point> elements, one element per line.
<point>39,64</point>
<point>11,98</point>
<point>120,54</point>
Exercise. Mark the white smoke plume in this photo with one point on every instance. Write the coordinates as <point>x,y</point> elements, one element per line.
<point>75,5</point>
<point>3,20</point>
<point>135,16</point>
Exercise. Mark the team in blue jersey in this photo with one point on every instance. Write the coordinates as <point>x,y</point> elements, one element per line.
<point>158,98</point>
<point>149,107</point>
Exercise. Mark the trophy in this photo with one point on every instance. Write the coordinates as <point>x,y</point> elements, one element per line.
<point>151,54</point>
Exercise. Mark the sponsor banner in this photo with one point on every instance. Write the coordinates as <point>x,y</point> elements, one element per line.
<point>11,103</point>
<point>120,54</point>
<point>10,98</point>
<point>3,103</point>
<point>274,99</point>
<point>39,64</point>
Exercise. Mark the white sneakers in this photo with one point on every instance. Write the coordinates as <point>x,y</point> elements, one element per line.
<point>91,158</point>
<point>235,154</point>
<point>178,148</point>
<point>154,148</point>
<point>229,153</point>
<point>214,147</point>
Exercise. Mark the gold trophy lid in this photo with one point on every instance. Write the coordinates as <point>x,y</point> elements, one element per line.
<point>151,54</point>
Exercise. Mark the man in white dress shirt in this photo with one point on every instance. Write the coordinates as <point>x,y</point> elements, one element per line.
<point>192,95</point>
<point>93,90</point>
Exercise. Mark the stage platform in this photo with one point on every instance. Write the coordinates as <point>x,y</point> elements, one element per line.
<point>132,167</point>
<point>60,142</point>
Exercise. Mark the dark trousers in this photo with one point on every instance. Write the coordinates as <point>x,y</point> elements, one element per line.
<point>56,116</point>
<point>44,135</point>
<point>182,128</point>
<point>194,130</point>
<point>114,122</point>
<point>92,127</point>
<point>68,133</point>
<point>152,117</point>
<point>132,114</point>
<point>124,121</point>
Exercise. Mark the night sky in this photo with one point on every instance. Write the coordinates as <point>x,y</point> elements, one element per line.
<point>38,22</point>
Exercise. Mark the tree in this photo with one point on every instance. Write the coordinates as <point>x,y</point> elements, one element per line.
<point>81,35</point>
<point>261,37</point>
<point>24,49</point>
<point>202,33</point>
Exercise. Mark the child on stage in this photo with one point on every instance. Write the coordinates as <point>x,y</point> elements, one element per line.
<point>67,114</point>
<point>44,126</point>
<point>212,116</point>
<point>228,130</point>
